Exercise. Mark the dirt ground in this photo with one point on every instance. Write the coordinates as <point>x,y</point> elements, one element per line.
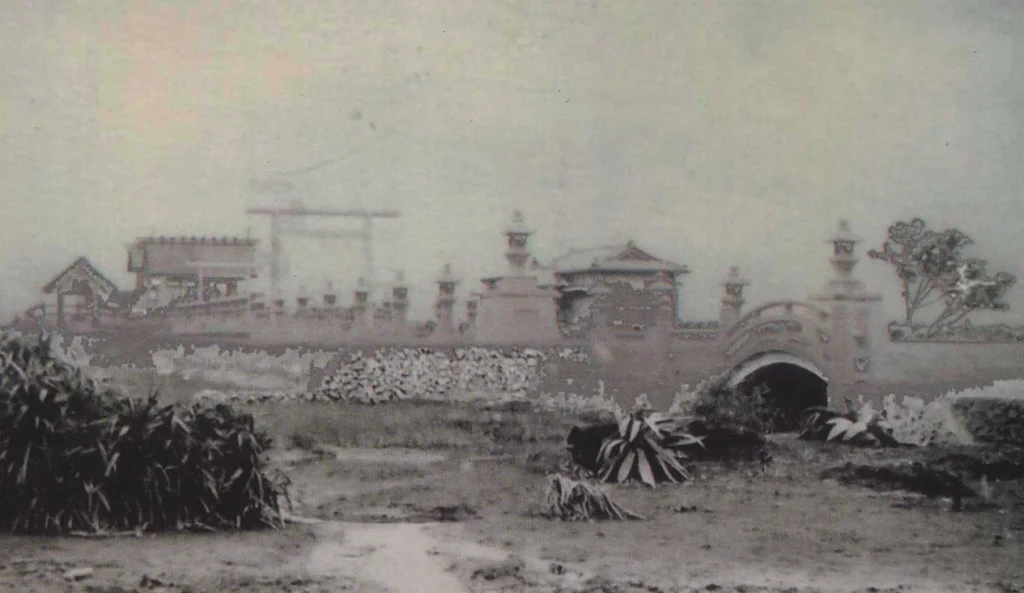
<point>440,516</point>
<point>408,520</point>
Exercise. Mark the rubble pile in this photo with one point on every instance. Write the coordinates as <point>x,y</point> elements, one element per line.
<point>423,373</point>
<point>489,375</point>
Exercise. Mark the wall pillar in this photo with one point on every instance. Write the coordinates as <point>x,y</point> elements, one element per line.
<point>732,301</point>
<point>850,346</point>
<point>361,306</point>
<point>445,305</point>
<point>400,303</point>
<point>60,309</point>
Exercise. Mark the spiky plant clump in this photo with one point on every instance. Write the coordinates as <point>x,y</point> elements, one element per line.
<point>648,447</point>
<point>863,427</point>
<point>571,500</point>
<point>74,457</point>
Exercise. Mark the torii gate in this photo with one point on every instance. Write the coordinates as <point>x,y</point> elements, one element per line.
<point>276,230</point>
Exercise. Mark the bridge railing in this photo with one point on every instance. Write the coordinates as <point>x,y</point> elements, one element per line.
<point>776,311</point>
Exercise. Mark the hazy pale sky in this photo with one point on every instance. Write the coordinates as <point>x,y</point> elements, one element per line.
<point>713,133</point>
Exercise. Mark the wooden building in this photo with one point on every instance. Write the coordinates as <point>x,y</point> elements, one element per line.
<point>179,270</point>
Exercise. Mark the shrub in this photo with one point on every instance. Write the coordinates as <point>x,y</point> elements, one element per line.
<point>916,423</point>
<point>740,406</point>
<point>76,457</point>
<point>993,414</point>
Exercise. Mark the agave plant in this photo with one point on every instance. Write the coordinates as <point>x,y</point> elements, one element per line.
<point>648,447</point>
<point>572,500</point>
<point>863,427</point>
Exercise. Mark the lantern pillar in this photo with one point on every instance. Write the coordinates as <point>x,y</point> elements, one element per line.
<point>400,301</point>
<point>361,305</point>
<point>851,307</point>
<point>445,304</point>
<point>732,300</point>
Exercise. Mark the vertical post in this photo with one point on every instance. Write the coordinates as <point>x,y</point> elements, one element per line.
<point>445,302</point>
<point>400,303</point>
<point>732,301</point>
<point>361,306</point>
<point>849,305</point>
<point>368,250</point>
<point>60,307</point>
<point>247,318</point>
<point>275,258</point>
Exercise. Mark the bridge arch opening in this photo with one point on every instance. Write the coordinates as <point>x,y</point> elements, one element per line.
<point>792,385</point>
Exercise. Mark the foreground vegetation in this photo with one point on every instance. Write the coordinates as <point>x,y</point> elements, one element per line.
<point>496,473</point>
<point>78,457</point>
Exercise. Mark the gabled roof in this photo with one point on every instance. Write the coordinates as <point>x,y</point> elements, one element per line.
<point>618,258</point>
<point>82,269</point>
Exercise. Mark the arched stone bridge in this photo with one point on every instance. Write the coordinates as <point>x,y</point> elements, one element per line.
<point>804,351</point>
<point>791,328</point>
<point>783,346</point>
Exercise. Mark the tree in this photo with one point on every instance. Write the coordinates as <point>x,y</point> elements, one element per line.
<point>971,290</point>
<point>932,270</point>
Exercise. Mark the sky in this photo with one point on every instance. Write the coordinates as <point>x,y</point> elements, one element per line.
<point>712,133</point>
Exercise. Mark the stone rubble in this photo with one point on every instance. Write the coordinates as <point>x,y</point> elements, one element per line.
<point>423,373</point>
<point>395,374</point>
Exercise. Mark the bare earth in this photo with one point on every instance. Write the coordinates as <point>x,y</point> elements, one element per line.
<point>422,521</point>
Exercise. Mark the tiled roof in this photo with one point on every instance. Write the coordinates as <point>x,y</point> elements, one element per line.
<point>620,257</point>
<point>584,258</point>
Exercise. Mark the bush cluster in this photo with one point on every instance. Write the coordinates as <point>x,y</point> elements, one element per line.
<point>75,456</point>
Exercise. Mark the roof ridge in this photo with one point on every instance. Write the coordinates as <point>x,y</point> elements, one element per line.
<point>89,268</point>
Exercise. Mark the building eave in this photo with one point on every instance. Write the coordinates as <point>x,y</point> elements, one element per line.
<point>51,286</point>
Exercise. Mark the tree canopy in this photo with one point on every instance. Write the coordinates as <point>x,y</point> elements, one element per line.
<point>933,270</point>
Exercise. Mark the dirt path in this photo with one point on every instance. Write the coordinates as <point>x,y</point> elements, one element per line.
<point>399,557</point>
<point>403,557</point>
<point>390,456</point>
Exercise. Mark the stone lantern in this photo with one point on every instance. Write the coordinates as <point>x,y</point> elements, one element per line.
<point>517,235</point>
<point>400,299</point>
<point>514,308</point>
<point>850,309</point>
<point>446,283</point>
<point>732,300</point>
<point>330,298</point>
<point>361,304</point>
<point>844,242</point>
<point>362,292</point>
